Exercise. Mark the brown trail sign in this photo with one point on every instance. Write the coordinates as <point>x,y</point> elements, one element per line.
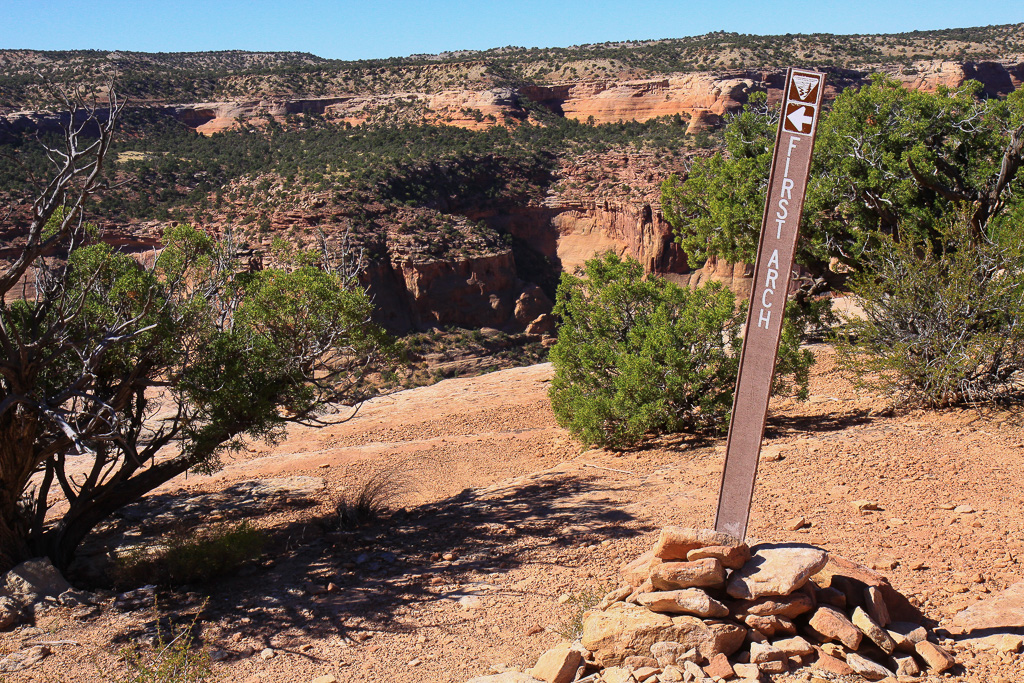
<point>787,185</point>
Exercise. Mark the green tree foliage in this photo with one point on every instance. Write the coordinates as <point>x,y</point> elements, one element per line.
<point>641,356</point>
<point>887,161</point>
<point>944,323</point>
<point>112,361</point>
<point>106,360</point>
<point>717,209</point>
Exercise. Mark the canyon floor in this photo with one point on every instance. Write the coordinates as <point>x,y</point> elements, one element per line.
<point>501,515</point>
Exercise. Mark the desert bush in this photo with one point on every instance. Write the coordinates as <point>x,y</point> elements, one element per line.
<point>944,323</point>
<point>641,356</point>
<point>177,660</point>
<point>190,557</point>
<point>372,499</point>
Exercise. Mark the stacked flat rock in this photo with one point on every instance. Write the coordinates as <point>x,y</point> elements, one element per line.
<point>702,606</point>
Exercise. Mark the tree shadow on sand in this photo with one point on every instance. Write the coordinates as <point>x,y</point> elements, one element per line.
<point>317,581</point>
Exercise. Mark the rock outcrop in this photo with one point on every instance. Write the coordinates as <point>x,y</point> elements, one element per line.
<point>778,612</point>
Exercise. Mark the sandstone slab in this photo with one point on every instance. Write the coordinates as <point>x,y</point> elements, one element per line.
<point>906,665</point>
<point>1004,610</point>
<point>625,630</point>
<point>873,671</point>
<point>763,652</point>
<point>558,665</point>
<point>831,664</point>
<point>906,635</point>
<point>900,609</point>
<point>688,601</point>
<point>670,576</point>
<point>674,542</point>
<point>776,569</point>
<point>794,647</point>
<point>789,606</point>
<point>731,556</point>
<point>937,658</point>
<point>771,626</point>
<point>719,666</point>
<point>636,572</point>
<point>863,621</point>
<point>828,623</point>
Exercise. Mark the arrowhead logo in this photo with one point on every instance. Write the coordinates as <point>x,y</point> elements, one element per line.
<point>799,118</point>
<point>805,85</point>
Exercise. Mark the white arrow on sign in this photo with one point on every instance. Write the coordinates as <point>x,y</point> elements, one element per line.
<point>800,120</point>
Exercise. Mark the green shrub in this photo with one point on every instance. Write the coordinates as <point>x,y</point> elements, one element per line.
<point>172,661</point>
<point>193,557</point>
<point>944,324</point>
<point>641,356</point>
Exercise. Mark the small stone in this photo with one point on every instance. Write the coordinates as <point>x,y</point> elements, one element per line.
<point>645,673</point>
<point>637,662</point>
<point>762,652</point>
<point>670,576</point>
<point>947,506</point>
<point>906,665</point>
<point>314,588</point>
<point>471,602</point>
<point>719,666</point>
<point>834,649</point>
<point>964,510</point>
<point>731,556</point>
<point>867,668</point>
<point>564,598</point>
<point>793,647</point>
<point>872,630</point>
<point>692,669</point>
<point>267,653</point>
<point>775,666</point>
<point>937,658</point>
<point>832,665</point>
<point>615,674</point>
<point>748,672</point>
<point>883,563</point>
<point>448,557</point>
<point>771,626</point>
<point>675,542</point>
<point>776,569</point>
<point>636,572</point>
<point>790,606</point>
<point>219,655</point>
<point>558,665</point>
<point>671,674</point>
<point>617,595</point>
<point>688,601</point>
<point>906,635</point>
<point>831,624</point>
<point>865,505</point>
<point>796,524</point>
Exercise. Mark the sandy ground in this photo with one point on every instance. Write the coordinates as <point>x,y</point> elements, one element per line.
<point>501,514</point>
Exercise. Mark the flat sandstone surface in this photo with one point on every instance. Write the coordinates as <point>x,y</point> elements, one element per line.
<point>504,514</point>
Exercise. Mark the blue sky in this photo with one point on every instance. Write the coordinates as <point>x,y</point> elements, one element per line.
<point>390,28</point>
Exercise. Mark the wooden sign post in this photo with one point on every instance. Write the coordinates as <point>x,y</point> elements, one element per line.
<point>787,186</point>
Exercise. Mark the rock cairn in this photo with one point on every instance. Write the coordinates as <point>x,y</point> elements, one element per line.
<point>701,606</point>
